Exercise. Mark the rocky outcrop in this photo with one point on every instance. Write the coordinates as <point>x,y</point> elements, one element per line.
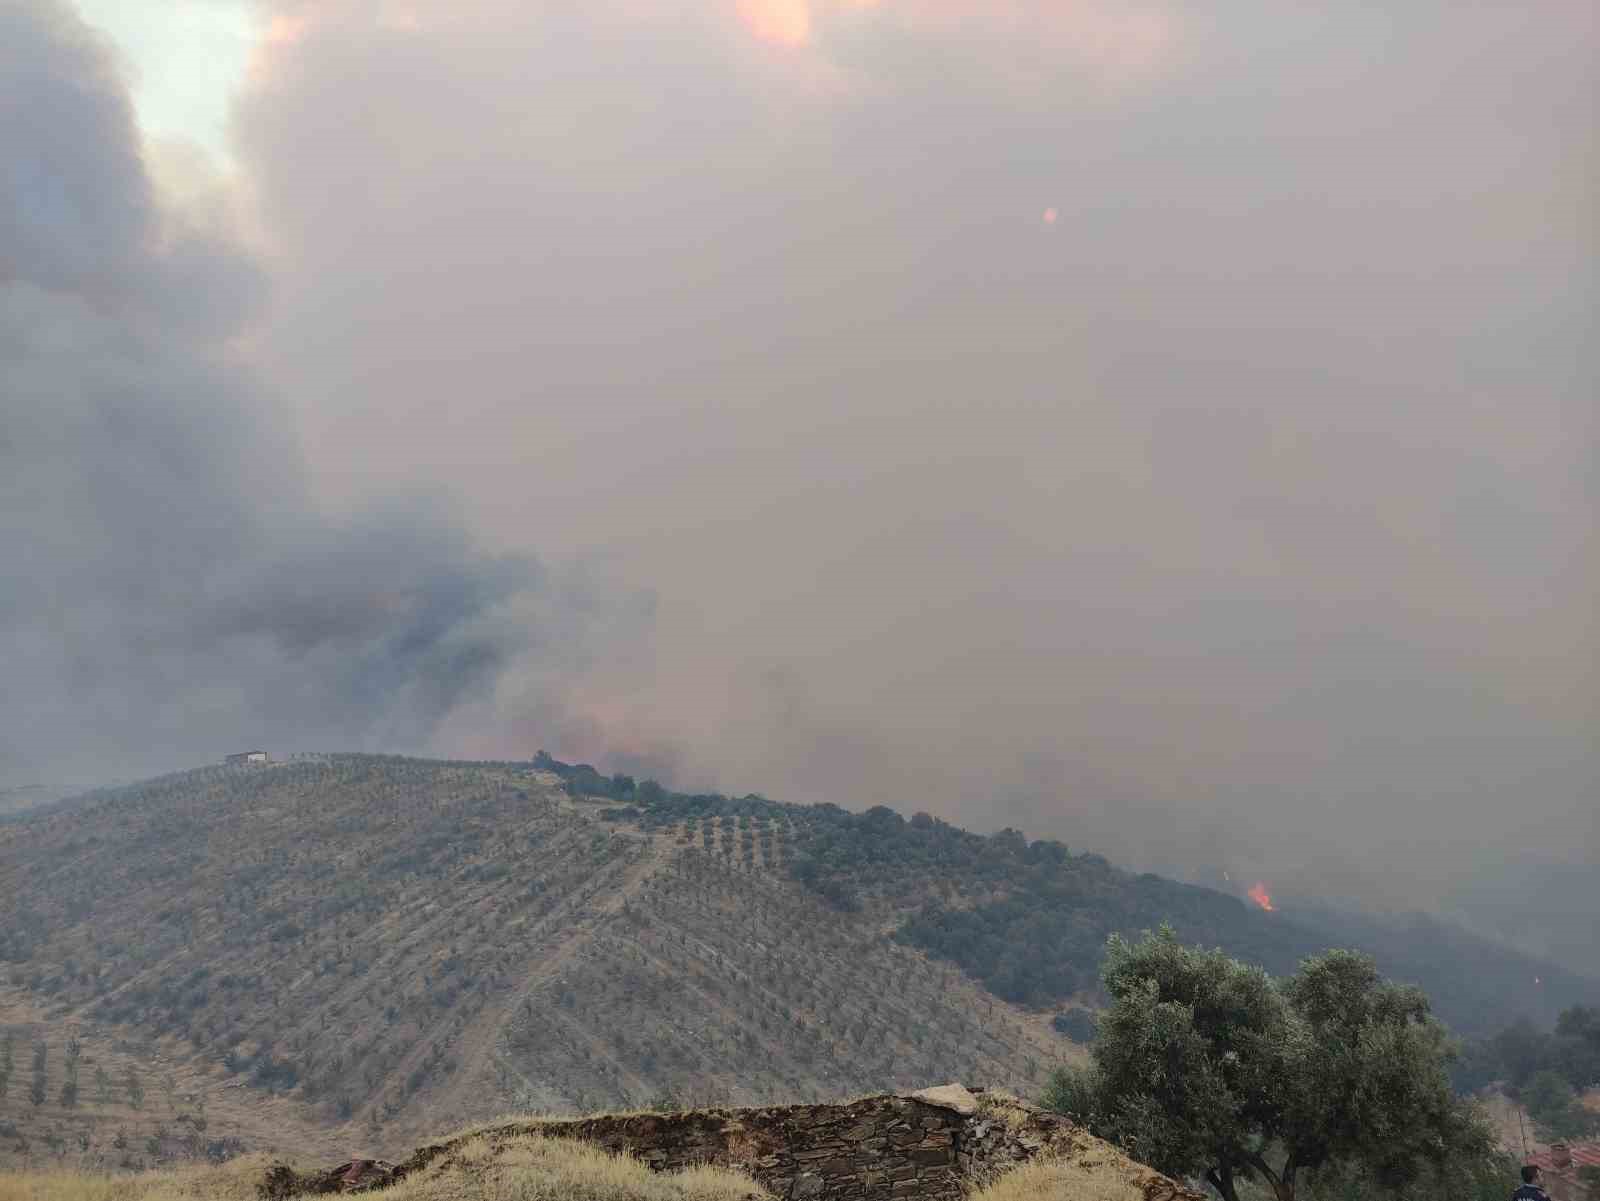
<point>355,1176</point>
<point>926,1145</point>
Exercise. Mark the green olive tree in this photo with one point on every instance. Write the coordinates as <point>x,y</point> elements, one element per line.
<point>1207,1067</point>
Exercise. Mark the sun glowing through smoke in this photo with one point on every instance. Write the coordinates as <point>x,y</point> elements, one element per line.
<point>1259,894</point>
<point>787,22</point>
<point>285,29</point>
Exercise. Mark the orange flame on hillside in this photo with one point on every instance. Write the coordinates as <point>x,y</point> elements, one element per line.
<point>1259,894</point>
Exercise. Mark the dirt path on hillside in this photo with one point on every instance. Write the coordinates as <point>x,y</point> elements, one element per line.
<point>565,932</point>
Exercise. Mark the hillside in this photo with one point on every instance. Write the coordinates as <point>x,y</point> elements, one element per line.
<point>380,945</point>
<point>21,798</point>
<point>390,944</point>
<point>138,1103</point>
<point>1030,919</point>
<point>1549,919</point>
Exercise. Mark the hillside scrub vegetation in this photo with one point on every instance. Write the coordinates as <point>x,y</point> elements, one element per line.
<point>1546,1071</point>
<point>1206,1067</point>
<point>1557,1111</point>
<point>1029,919</point>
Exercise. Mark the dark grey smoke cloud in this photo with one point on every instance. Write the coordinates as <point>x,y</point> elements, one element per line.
<point>1170,430</point>
<point>1241,517</point>
<point>170,591</point>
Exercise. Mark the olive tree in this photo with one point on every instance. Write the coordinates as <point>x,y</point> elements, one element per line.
<point>1208,1067</point>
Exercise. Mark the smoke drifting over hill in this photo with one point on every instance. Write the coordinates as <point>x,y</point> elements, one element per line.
<point>170,588</point>
<point>1240,513</point>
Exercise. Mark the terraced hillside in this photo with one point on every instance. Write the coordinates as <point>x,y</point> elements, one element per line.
<point>1030,919</point>
<point>110,1099</point>
<point>380,945</point>
<point>386,944</point>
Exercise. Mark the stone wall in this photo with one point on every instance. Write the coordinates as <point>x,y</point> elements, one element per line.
<point>931,1145</point>
<point>878,1148</point>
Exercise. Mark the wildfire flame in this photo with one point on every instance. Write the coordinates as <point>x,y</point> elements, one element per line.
<point>1259,894</point>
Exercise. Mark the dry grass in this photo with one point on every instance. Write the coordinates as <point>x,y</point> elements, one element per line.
<point>235,1181</point>
<point>523,1168</point>
<point>1077,1179</point>
<point>532,1168</point>
<point>512,1120</point>
<point>1006,1107</point>
<point>499,1124</point>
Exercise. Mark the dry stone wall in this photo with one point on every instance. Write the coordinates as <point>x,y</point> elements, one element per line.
<point>879,1148</point>
<point>930,1145</point>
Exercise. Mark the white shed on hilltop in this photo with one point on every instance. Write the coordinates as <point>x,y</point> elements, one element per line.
<point>247,757</point>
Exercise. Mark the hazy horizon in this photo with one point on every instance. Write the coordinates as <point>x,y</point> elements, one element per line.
<point>1169,432</point>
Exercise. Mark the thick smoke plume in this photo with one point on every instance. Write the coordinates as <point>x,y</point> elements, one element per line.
<point>170,590</point>
<point>1241,514</point>
<point>1166,428</point>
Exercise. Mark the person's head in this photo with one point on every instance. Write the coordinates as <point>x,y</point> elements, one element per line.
<point>1530,1173</point>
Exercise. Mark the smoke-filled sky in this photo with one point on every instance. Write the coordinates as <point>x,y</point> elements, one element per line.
<point>1166,427</point>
